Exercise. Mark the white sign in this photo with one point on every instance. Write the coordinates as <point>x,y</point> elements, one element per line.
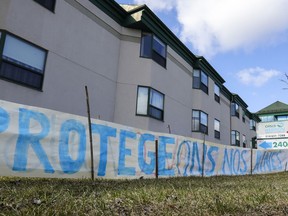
<point>272,130</point>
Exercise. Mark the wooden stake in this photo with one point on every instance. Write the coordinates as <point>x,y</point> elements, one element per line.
<point>156,157</point>
<point>251,161</point>
<point>169,129</point>
<point>90,133</point>
<point>203,158</point>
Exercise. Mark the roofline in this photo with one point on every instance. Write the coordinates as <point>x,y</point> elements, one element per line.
<point>236,98</point>
<point>272,113</point>
<point>203,64</point>
<point>152,22</point>
<point>254,116</point>
<point>112,9</point>
<point>226,92</point>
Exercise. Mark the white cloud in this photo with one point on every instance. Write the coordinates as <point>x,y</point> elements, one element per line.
<point>157,4</point>
<point>213,26</point>
<point>256,76</point>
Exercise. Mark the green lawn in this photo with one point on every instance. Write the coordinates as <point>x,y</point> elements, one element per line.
<point>234,195</point>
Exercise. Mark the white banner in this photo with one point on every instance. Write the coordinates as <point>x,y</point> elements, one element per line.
<point>38,142</point>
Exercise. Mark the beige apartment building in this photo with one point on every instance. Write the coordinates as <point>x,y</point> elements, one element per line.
<point>137,71</point>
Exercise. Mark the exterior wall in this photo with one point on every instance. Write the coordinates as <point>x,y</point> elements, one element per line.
<point>243,128</point>
<point>225,121</point>
<point>220,111</point>
<point>82,50</point>
<point>174,81</point>
<point>250,134</point>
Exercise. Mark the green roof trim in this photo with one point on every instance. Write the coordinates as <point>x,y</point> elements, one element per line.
<point>236,98</point>
<point>274,108</point>
<point>226,92</point>
<point>253,116</point>
<point>112,9</point>
<point>204,65</point>
<point>150,22</point>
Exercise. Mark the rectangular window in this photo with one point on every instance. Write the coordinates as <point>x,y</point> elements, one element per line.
<point>150,103</point>
<point>200,80</point>
<point>217,93</point>
<point>235,138</point>
<point>268,118</point>
<point>217,129</point>
<point>243,116</point>
<point>152,47</point>
<point>48,4</point>
<point>22,62</point>
<point>235,109</point>
<point>199,121</point>
<point>196,79</point>
<point>252,125</point>
<point>282,117</point>
<point>244,141</point>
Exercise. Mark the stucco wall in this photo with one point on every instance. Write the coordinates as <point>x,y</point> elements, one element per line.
<point>82,50</point>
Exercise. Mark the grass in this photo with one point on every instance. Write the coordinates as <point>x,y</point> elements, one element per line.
<point>220,195</point>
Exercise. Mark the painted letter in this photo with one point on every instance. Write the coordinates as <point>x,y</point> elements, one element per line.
<point>226,160</point>
<point>163,155</point>
<point>105,132</point>
<point>236,159</point>
<point>243,171</point>
<point>145,167</point>
<point>69,165</point>
<point>196,157</point>
<point>211,159</point>
<point>4,120</point>
<point>183,154</point>
<point>123,151</point>
<point>27,138</point>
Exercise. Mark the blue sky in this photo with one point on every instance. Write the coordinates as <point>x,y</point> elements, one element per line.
<point>246,41</point>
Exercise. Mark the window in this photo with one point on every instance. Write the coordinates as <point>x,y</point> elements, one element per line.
<point>244,141</point>
<point>150,103</point>
<point>234,109</point>
<point>235,138</point>
<point>252,125</point>
<point>217,93</point>
<point>49,4</point>
<point>281,117</point>
<point>200,81</point>
<point>22,62</point>
<point>152,47</point>
<point>199,121</point>
<point>217,129</point>
<point>243,116</point>
<point>268,118</point>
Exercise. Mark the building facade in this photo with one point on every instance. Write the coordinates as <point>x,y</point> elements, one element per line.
<point>137,71</point>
